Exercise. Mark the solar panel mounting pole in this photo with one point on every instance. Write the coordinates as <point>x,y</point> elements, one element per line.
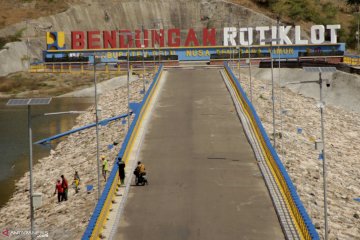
<point>28,102</point>
<point>30,171</point>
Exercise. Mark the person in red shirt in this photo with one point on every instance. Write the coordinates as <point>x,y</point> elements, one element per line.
<point>60,190</point>
<point>65,186</point>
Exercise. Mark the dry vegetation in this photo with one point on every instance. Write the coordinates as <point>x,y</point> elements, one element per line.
<point>49,84</point>
<point>308,12</point>
<point>14,11</point>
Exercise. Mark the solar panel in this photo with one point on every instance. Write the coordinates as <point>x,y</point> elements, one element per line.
<point>319,69</point>
<point>28,101</point>
<point>328,69</point>
<point>18,102</point>
<point>311,69</point>
<point>39,101</point>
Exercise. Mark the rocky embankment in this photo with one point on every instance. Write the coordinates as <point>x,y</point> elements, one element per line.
<point>68,220</point>
<point>298,154</point>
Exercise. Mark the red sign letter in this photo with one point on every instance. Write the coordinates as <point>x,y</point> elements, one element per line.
<point>171,43</point>
<point>109,39</point>
<point>158,37</point>
<point>77,40</point>
<point>127,33</point>
<point>209,37</point>
<point>146,38</point>
<point>191,37</point>
<point>138,41</point>
<point>92,41</point>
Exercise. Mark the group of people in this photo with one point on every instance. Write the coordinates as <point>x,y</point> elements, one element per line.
<point>62,187</point>
<point>139,170</point>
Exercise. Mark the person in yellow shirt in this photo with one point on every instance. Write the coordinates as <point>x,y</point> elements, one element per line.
<point>76,181</point>
<point>140,174</point>
<point>140,169</point>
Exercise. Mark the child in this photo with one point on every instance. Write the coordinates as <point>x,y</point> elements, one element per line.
<point>76,182</point>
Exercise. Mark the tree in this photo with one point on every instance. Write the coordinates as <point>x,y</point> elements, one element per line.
<point>353,2</point>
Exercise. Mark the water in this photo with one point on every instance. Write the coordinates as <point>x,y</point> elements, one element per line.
<point>14,139</point>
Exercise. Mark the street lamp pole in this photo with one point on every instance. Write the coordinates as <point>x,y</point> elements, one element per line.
<point>128,87</point>
<point>272,93</point>
<point>249,59</point>
<point>233,53</point>
<point>232,57</point>
<point>27,45</point>
<point>357,35</point>
<point>128,78</point>
<point>97,129</point>
<point>322,105</point>
<point>272,85</point>
<point>239,49</point>
<point>279,80</point>
<point>159,55</point>
<point>143,62</point>
<point>143,57</point>
<point>323,155</point>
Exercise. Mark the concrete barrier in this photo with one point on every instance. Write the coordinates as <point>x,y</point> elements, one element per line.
<point>103,205</point>
<point>299,215</point>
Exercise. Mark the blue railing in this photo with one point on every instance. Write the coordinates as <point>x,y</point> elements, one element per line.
<point>102,123</point>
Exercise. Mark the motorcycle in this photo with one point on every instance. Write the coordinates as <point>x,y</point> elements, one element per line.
<point>141,179</point>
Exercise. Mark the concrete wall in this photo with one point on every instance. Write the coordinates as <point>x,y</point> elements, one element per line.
<point>343,91</point>
<point>125,14</point>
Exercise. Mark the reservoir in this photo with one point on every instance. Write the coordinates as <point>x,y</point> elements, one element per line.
<point>14,138</point>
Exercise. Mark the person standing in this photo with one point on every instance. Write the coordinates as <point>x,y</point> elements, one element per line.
<point>105,167</point>
<point>121,166</point>
<point>76,181</point>
<point>60,191</point>
<point>65,187</point>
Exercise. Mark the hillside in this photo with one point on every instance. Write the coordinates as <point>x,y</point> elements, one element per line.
<point>300,12</point>
<point>15,11</point>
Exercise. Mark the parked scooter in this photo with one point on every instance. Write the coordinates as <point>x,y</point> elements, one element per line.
<point>141,179</point>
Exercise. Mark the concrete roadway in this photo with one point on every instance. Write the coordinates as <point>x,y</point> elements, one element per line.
<point>204,182</point>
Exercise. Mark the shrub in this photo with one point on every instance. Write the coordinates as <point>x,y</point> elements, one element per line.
<point>304,10</point>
